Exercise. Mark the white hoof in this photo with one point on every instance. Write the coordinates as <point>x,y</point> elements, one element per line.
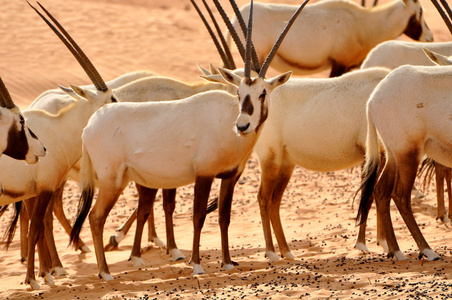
<point>48,279</point>
<point>197,269</point>
<point>119,236</point>
<point>106,276</point>
<point>137,261</point>
<point>158,242</point>
<point>272,256</point>
<point>384,245</point>
<point>229,267</point>
<point>176,255</point>
<point>417,194</point>
<point>85,249</point>
<point>289,255</point>
<point>34,285</point>
<point>400,256</point>
<point>362,247</point>
<point>430,255</point>
<point>59,271</point>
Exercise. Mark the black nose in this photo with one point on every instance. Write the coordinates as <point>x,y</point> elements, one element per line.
<point>243,128</point>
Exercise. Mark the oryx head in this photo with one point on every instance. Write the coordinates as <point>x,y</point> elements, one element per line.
<point>17,140</point>
<point>103,94</point>
<point>417,28</point>
<point>254,93</point>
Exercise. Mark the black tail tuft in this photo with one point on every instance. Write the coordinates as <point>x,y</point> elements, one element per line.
<point>9,234</point>
<point>84,206</point>
<point>213,205</point>
<point>367,188</point>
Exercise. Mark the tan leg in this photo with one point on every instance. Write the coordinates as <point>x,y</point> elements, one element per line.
<point>60,215</point>
<point>24,222</point>
<point>145,205</point>
<point>406,174</point>
<point>440,176</point>
<point>202,190</point>
<point>121,232</point>
<point>169,204</point>
<point>106,198</point>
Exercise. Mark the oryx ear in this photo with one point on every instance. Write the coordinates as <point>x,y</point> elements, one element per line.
<point>230,77</point>
<point>214,78</point>
<point>204,70</point>
<point>83,93</point>
<point>276,81</point>
<point>436,58</point>
<point>67,91</point>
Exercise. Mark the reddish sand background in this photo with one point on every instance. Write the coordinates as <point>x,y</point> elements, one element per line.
<point>168,38</point>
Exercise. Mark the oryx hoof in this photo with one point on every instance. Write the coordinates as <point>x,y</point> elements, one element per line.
<point>429,254</point>
<point>289,255</point>
<point>272,256</point>
<point>229,267</point>
<point>112,244</point>
<point>362,247</point>
<point>137,261</point>
<point>106,276</point>
<point>384,245</point>
<point>48,279</point>
<point>176,255</point>
<point>400,256</point>
<point>158,242</point>
<point>84,249</point>
<point>34,285</point>
<point>197,269</point>
<point>59,271</point>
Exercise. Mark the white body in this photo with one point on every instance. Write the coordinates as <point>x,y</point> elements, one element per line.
<point>60,134</point>
<point>331,31</point>
<point>318,124</point>
<point>392,54</point>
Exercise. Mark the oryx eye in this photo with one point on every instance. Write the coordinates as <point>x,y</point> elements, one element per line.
<point>262,96</point>
<point>21,120</point>
<point>113,99</point>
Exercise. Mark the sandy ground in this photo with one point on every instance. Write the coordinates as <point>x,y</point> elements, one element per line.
<point>317,211</point>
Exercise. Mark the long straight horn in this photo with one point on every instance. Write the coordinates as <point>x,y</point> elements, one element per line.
<point>275,48</point>
<point>222,39</point>
<point>238,14</point>
<point>78,53</point>
<point>212,35</point>
<point>231,29</point>
<point>5,97</point>
<point>443,14</point>
<point>248,43</point>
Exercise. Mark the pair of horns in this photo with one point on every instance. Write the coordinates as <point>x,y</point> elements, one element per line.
<point>249,54</point>
<point>225,52</point>
<point>447,20</point>
<point>74,48</point>
<point>5,97</point>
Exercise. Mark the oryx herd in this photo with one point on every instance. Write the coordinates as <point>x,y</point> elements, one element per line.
<point>387,106</point>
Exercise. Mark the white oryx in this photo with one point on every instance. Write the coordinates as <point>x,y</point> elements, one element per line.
<point>396,53</point>
<point>334,34</point>
<point>17,140</point>
<point>211,134</point>
<point>410,110</point>
<point>60,133</point>
<point>392,54</point>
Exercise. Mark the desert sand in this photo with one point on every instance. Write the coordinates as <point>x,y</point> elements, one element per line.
<point>317,211</point>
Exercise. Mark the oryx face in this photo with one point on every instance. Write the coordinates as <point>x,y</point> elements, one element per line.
<point>20,142</point>
<point>252,95</point>
<point>417,28</point>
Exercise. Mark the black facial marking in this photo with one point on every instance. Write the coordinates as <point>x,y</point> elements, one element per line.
<point>113,99</point>
<point>17,145</point>
<point>414,27</point>
<point>247,106</point>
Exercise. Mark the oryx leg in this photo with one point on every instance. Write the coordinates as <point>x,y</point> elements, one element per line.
<point>169,204</point>
<point>382,197</point>
<point>60,215</point>
<point>57,268</point>
<point>285,172</point>
<point>439,179</point>
<point>270,170</point>
<point>224,211</point>
<point>106,199</point>
<point>24,222</point>
<point>36,233</point>
<point>152,233</point>
<point>448,178</point>
<point>202,190</point>
<point>406,175</point>
<point>145,205</point>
